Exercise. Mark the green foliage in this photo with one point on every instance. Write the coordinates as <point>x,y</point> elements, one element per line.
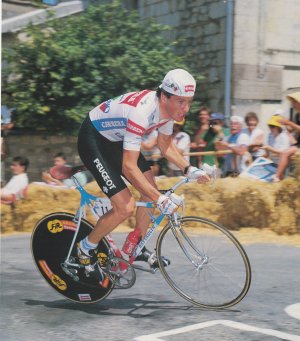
<point>68,66</point>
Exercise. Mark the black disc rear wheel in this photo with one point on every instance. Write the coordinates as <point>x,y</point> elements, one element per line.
<point>50,243</point>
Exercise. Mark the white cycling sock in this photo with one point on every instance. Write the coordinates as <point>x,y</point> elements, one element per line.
<point>86,245</point>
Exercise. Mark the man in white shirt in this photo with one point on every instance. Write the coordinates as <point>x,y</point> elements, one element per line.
<point>14,189</point>
<point>182,142</point>
<point>256,135</point>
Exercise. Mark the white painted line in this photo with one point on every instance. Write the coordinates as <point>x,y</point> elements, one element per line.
<point>293,310</point>
<point>227,323</point>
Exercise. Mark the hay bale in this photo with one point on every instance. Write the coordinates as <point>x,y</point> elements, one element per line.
<point>233,202</point>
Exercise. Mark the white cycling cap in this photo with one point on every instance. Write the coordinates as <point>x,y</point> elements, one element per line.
<point>179,82</point>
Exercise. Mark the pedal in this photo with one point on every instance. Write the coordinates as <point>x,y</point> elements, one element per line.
<point>151,270</point>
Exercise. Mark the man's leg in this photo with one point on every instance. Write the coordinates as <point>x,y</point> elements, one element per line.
<point>142,223</point>
<point>123,207</point>
<point>143,214</point>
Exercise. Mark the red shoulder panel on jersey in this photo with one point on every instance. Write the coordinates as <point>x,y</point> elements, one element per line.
<point>135,98</point>
<point>134,128</point>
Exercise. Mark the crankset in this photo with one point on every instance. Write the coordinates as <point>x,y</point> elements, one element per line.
<point>120,272</point>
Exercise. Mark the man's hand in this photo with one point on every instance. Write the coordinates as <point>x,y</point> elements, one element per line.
<point>168,205</point>
<point>203,174</point>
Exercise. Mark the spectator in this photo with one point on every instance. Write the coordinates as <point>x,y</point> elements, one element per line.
<point>61,160</point>
<point>278,140</point>
<point>256,135</point>
<point>149,148</point>
<point>182,141</point>
<point>6,125</point>
<point>294,98</point>
<point>285,156</point>
<point>198,142</point>
<point>216,132</point>
<point>238,143</point>
<point>14,189</point>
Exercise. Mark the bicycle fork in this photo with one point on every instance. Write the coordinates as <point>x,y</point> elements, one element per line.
<point>180,236</point>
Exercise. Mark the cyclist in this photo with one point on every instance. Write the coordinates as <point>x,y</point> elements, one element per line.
<point>109,145</point>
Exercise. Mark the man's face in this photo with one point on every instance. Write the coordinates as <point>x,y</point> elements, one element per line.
<point>16,168</point>
<point>235,127</point>
<point>203,116</point>
<point>59,161</point>
<point>177,106</point>
<point>252,123</point>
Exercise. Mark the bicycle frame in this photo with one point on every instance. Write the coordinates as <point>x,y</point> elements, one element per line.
<point>99,206</point>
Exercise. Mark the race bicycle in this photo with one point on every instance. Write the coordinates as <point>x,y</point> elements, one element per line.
<point>209,267</point>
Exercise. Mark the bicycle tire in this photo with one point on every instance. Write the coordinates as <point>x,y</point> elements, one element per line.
<point>50,242</point>
<point>221,282</point>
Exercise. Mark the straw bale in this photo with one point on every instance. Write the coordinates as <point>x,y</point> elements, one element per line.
<point>236,203</point>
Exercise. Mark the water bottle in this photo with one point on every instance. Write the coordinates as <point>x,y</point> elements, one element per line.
<point>131,241</point>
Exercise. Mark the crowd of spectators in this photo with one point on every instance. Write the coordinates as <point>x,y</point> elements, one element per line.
<point>231,149</point>
<point>235,148</point>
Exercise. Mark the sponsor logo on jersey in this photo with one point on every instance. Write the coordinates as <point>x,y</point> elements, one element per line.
<point>109,183</point>
<point>134,128</point>
<point>105,106</point>
<point>109,123</point>
<point>189,88</point>
<point>134,98</point>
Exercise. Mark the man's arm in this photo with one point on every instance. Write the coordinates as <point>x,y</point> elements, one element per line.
<point>170,152</point>
<point>290,123</point>
<point>132,172</point>
<point>236,149</point>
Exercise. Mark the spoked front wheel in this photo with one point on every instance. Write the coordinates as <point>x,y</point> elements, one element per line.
<point>209,267</point>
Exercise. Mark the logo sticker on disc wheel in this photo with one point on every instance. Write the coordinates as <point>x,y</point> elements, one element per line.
<point>102,258</point>
<point>55,226</point>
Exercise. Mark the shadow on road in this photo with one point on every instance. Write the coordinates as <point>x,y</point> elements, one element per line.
<point>129,306</point>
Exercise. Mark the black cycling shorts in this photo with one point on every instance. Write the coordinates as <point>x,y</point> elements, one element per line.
<point>103,158</point>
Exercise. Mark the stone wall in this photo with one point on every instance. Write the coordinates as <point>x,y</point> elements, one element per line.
<point>265,63</point>
<point>199,25</point>
<point>40,149</point>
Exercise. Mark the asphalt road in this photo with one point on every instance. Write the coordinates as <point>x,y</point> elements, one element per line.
<point>32,310</point>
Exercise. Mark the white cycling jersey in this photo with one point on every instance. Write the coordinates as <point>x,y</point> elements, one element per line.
<point>128,117</point>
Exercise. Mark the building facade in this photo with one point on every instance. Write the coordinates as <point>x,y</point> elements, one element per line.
<point>265,48</point>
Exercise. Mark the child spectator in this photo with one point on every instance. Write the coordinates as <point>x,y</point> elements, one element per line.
<point>14,189</point>
<point>61,160</point>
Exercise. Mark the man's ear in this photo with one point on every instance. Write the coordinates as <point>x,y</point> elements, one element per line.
<point>163,97</point>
